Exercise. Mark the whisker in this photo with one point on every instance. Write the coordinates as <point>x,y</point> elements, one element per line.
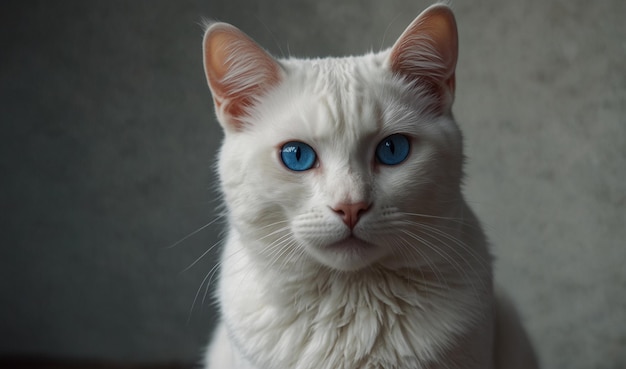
<point>479,258</point>
<point>272,35</point>
<point>402,248</point>
<point>437,247</point>
<point>382,43</point>
<point>274,233</point>
<point>460,221</point>
<point>429,263</point>
<point>288,255</point>
<point>193,233</point>
<point>195,299</point>
<point>435,231</point>
<point>274,224</point>
<point>433,247</point>
<point>201,256</point>
<point>210,276</point>
<point>206,289</point>
<point>281,247</point>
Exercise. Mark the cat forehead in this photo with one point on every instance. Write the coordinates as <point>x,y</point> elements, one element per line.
<point>334,96</point>
<point>336,72</point>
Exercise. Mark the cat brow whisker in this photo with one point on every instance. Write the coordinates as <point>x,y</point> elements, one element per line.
<point>280,49</point>
<point>393,20</point>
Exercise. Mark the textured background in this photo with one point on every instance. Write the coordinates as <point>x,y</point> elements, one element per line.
<point>108,139</point>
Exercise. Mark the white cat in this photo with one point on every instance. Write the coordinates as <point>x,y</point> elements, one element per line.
<point>349,243</point>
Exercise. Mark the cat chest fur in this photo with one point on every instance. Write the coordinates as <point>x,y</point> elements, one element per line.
<point>323,319</point>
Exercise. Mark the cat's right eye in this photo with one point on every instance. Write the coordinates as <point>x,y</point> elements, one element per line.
<point>298,156</point>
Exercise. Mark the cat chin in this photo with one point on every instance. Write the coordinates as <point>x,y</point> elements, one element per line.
<point>348,255</point>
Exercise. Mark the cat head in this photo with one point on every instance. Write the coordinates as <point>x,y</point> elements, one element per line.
<point>336,161</point>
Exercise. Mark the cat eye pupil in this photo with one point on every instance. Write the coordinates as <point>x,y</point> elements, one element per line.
<point>390,145</point>
<point>393,150</point>
<point>298,156</point>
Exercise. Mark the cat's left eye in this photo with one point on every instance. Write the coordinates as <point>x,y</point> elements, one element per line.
<point>393,149</point>
<point>298,156</point>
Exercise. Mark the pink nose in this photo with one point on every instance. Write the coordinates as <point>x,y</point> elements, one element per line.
<point>350,213</point>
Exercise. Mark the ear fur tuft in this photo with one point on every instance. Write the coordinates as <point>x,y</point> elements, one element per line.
<point>238,72</point>
<point>426,53</point>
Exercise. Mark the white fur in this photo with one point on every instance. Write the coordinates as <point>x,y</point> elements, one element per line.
<point>414,290</point>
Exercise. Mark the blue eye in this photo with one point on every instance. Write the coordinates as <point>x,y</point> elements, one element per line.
<point>393,149</point>
<point>297,156</point>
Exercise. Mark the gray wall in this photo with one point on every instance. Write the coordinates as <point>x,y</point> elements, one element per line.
<point>108,139</point>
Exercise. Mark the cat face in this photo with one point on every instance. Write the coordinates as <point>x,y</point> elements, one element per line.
<point>331,161</point>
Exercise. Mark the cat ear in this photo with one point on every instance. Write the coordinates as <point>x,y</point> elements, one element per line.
<point>427,51</point>
<point>238,72</point>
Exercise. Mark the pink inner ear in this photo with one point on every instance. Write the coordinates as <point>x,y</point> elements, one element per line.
<point>428,49</point>
<point>238,71</point>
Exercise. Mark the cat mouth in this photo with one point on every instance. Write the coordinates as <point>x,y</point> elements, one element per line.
<point>349,254</point>
<point>350,243</point>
